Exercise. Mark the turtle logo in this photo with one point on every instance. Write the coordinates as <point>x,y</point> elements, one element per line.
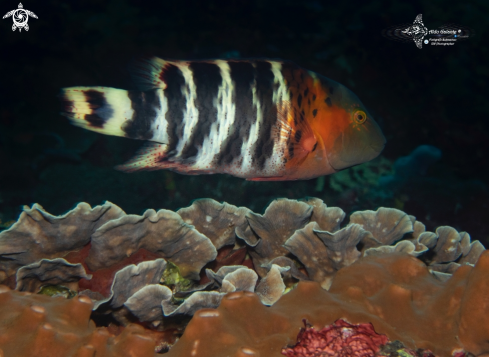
<point>417,31</point>
<point>20,17</point>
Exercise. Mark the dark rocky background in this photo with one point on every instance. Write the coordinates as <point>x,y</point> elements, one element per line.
<point>436,96</point>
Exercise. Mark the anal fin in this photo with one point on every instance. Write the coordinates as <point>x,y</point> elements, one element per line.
<point>154,156</point>
<point>151,156</point>
<point>271,178</point>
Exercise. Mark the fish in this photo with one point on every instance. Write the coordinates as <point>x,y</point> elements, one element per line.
<point>257,119</point>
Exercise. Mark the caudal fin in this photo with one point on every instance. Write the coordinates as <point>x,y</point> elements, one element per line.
<point>99,109</point>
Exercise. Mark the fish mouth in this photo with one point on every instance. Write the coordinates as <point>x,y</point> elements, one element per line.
<point>345,160</point>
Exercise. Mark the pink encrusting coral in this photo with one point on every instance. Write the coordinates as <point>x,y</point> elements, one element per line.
<point>340,339</point>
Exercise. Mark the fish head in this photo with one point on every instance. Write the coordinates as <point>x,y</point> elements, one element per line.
<point>349,134</point>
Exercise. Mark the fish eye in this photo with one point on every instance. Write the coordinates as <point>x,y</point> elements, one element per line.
<point>360,116</point>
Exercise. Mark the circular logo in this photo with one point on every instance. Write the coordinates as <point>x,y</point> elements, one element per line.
<point>426,42</point>
<point>20,17</point>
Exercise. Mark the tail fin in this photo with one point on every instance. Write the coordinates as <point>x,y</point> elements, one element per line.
<point>99,109</point>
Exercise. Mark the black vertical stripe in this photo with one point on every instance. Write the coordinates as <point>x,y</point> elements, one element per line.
<point>207,78</point>
<point>101,110</point>
<point>242,75</point>
<point>144,105</point>
<point>264,144</point>
<point>174,80</point>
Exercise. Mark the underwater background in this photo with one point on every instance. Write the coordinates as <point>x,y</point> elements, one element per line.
<point>433,96</point>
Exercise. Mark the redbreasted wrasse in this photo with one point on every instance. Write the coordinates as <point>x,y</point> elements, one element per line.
<point>262,120</point>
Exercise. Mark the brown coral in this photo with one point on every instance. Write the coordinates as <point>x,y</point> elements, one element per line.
<point>38,325</point>
<point>395,292</point>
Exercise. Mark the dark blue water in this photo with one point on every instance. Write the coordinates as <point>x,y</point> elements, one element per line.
<point>434,96</point>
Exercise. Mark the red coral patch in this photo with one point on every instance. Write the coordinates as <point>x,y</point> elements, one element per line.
<point>102,279</point>
<point>340,339</point>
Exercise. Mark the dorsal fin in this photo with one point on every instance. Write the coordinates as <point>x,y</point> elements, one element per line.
<point>147,72</point>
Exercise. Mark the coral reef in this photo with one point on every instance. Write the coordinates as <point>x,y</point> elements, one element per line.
<point>337,340</point>
<point>394,292</point>
<point>163,269</point>
<point>38,325</point>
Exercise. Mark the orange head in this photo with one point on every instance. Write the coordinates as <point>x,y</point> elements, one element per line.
<point>345,132</point>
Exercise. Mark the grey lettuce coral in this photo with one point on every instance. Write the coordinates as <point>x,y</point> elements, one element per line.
<point>38,234</point>
<point>49,272</point>
<point>163,232</point>
<point>152,301</point>
<point>269,232</point>
<point>131,279</point>
<point>324,253</point>
<point>387,225</point>
<point>215,220</point>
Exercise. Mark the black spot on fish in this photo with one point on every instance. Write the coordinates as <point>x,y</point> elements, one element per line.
<point>299,100</point>
<point>298,135</point>
<point>302,114</point>
<point>144,105</point>
<point>101,109</point>
<point>315,146</point>
<point>331,90</point>
<point>207,78</point>
<point>313,97</point>
<point>314,112</point>
<point>173,78</point>
<point>306,92</point>
<point>328,102</point>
